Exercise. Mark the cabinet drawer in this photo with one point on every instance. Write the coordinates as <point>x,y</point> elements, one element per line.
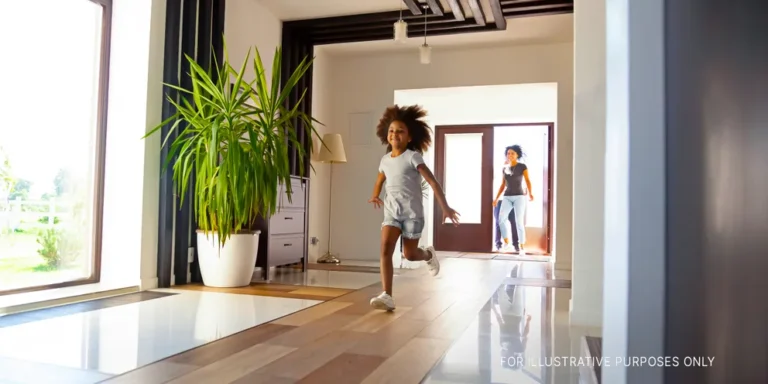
<point>285,249</point>
<point>298,193</point>
<point>287,222</point>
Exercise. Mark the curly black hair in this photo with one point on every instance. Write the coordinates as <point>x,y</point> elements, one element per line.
<point>518,149</point>
<point>413,118</point>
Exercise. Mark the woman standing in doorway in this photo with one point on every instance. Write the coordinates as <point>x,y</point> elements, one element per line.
<point>514,196</point>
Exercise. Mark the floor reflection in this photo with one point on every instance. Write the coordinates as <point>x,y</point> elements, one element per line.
<point>511,341</point>
<point>322,278</point>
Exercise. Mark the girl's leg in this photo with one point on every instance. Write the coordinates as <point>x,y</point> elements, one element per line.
<point>519,205</point>
<point>506,207</point>
<point>389,236</point>
<point>412,252</point>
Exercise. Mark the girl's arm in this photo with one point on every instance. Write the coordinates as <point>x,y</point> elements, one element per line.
<point>448,212</point>
<point>375,200</point>
<point>528,184</point>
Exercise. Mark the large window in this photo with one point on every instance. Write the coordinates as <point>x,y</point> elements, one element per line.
<point>52,136</point>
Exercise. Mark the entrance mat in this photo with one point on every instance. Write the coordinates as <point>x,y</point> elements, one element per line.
<point>537,282</point>
<point>85,306</point>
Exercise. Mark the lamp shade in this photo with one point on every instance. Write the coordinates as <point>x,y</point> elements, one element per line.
<point>401,31</point>
<point>425,54</point>
<point>333,150</point>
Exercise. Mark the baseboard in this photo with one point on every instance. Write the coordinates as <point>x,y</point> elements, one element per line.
<point>148,283</point>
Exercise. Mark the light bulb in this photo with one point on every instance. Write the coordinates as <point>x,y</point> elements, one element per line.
<point>425,53</point>
<point>401,31</point>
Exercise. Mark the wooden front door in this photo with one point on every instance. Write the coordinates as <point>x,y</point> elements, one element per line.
<point>463,166</point>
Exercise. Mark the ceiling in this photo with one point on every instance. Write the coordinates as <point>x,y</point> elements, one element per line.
<point>520,31</point>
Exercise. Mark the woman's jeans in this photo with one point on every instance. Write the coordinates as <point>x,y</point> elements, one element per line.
<point>503,221</point>
<point>518,204</point>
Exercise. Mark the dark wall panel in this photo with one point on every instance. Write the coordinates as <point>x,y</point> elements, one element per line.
<point>194,28</point>
<point>717,189</point>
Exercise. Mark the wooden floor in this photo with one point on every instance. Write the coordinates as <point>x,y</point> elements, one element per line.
<point>275,290</point>
<point>343,340</point>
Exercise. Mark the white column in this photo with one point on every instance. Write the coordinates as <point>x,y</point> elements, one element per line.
<point>588,162</point>
<point>635,253</point>
<point>152,159</point>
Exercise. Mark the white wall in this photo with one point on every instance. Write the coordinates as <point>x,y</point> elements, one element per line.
<point>366,84</point>
<point>497,104</point>
<point>152,152</point>
<point>129,240</point>
<point>588,162</point>
<point>249,24</point>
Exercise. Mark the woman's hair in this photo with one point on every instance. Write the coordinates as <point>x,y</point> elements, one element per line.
<point>517,149</point>
<point>413,118</point>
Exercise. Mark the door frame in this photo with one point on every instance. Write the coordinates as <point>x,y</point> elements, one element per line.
<point>439,163</point>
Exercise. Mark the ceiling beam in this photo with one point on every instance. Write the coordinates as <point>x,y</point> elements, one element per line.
<point>517,4</point>
<point>477,12</point>
<point>387,35</point>
<point>498,15</point>
<point>413,6</point>
<point>565,9</point>
<point>436,7</point>
<point>359,28</point>
<point>343,21</point>
<point>456,9</point>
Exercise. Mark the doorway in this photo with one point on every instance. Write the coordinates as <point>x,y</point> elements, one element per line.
<point>469,161</point>
<point>535,140</point>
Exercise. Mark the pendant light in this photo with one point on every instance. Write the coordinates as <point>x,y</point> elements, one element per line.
<point>425,51</point>
<point>401,27</point>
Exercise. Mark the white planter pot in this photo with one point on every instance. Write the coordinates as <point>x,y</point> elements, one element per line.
<point>228,266</point>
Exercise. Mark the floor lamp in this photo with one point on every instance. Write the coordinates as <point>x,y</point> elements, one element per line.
<point>331,152</point>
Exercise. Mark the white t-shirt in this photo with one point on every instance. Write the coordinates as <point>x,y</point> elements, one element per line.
<point>403,198</point>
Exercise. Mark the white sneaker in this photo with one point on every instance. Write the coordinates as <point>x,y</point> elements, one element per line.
<point>522,251</point>
<point>507,248</point>
<point>383,302</point>
<point>433,264</point>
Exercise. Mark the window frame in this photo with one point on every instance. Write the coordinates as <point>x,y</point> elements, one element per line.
<point>100,157</point>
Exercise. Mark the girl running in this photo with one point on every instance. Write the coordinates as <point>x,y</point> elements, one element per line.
<point>407,136</point>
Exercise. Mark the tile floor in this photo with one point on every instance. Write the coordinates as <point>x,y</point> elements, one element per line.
<point>510,341</point>
<point>91,346</point>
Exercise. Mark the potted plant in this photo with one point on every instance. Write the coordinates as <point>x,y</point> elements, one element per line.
<point>235,142</point>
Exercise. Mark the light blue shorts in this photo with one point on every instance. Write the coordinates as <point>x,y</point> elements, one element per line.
<point>409,228</point>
